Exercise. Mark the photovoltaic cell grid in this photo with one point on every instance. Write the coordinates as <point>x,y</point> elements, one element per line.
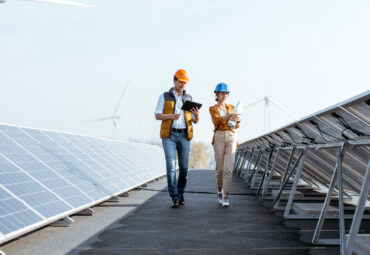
<point>45,175</point>
<point>69,167</point>
<point>15,215</point>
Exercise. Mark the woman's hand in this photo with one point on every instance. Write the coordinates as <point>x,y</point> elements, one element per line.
<point>234,117</point>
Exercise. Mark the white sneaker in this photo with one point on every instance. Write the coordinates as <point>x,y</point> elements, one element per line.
<point>225,201</point>
<point>219,197</point>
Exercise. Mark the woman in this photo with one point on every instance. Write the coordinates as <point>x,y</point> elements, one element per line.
<point>224,141</point>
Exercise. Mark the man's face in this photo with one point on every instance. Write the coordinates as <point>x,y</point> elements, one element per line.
<point>179,85</point>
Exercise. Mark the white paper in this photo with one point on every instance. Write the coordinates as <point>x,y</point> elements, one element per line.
<point>238,108</point>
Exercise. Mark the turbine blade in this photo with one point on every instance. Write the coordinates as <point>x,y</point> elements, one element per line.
<point>93,120</point>
<point>282,107</point>
<point>120,99</point>
<point>65,2</point>
<point>251,104</point>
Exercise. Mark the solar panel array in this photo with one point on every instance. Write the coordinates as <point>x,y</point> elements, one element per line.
<point>46,175</point>
<point>329,150</point>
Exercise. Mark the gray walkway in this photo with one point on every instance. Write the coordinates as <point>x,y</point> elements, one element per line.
<point>202,226</point>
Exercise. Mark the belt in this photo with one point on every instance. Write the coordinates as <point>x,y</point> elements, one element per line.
<point>178,130</point>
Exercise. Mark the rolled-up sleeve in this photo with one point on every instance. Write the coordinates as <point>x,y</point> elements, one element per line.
<point>215,115</point>
<point>160,105</point>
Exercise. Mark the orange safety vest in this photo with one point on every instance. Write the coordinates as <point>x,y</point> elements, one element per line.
<point>169,108</point>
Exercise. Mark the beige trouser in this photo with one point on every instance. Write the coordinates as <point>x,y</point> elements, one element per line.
<point>224,147</point>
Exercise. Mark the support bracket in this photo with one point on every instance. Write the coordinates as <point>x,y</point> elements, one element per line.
<point>253,177</point>
<point>237,155</point>
<point>249,165</point>
<point>355,226</point>
<point>241,167</point>
<point>337,178</point>
<point>126,194</point>
<point>268,181</point>
<point>238,160</point>
<point>286,177</point>
<point>87,212</point>
<point>264,174</point>
<point>295,183</point>
<point>114,199</point>
<point>65,222</point>
<point>254,167</point>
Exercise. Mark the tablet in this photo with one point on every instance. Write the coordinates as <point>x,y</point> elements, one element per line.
<point>190,104</point>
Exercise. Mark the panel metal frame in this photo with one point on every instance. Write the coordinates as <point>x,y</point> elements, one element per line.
<point>266,186</point>
<point>337,179</point>
<point>355,226</point>
<point>244,175</point>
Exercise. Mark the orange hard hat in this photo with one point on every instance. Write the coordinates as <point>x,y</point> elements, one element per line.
<point>181,75</point>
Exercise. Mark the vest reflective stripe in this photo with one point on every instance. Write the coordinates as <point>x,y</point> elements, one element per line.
<point>169,108</point>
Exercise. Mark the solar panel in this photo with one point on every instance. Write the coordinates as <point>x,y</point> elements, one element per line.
<point>15,214</point>
<point>122,152</point>
<point>104,150</point>
<point>87,165</point>
<point>47,175</point>
<point>329,149</point>
<point>69,167</point>
<point>40,181</point>
<point>103,158</point>
<point>98,162</point>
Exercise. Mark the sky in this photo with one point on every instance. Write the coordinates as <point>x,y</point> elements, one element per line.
<point>62,65</point>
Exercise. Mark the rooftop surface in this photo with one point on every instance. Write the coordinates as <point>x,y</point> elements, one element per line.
<point>144,223</point>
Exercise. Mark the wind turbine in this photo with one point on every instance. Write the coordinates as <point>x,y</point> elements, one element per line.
<point>64,2</point>
<point>267,99</point>
<point>114,117</point>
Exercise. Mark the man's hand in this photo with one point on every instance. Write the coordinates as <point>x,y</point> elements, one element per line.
<point>195,112</point>
<point>175,116</point>
<point>167,116</point>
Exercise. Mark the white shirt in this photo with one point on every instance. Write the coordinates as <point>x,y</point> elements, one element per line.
<point>180,122</point>
<point>222,113</point>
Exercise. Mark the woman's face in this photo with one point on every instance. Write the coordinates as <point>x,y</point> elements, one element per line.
<point>221,96</point>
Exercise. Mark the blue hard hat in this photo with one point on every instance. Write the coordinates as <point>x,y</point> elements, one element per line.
<point>222,87</point>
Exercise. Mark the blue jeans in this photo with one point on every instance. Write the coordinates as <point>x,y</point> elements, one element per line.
<point>180,143</point>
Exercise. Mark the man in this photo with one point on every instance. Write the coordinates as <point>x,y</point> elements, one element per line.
<point>176,133</point>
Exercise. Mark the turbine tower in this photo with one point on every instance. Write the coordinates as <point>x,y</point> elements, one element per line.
<point>267,99</point>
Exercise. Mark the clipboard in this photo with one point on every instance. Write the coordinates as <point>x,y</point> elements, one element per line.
<point>190,104</point>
